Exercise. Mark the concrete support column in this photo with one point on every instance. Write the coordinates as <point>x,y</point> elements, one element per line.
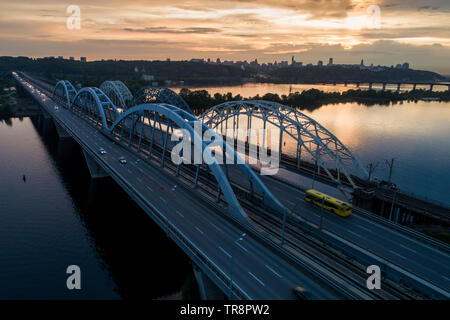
<point>208,290</point>
<point>61,132</point>
<point>95,169</point>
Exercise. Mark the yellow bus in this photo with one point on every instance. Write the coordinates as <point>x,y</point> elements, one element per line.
<point>337,206</point>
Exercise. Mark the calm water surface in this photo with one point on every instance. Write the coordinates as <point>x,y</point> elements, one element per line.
<point>59,217</point>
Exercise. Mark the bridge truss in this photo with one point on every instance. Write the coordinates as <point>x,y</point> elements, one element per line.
<point>64,91</point>
<point>145,129</point>
<point>95,105</point>
<point>160,95</point>
<point>118,92</point>
<point>313,142</point>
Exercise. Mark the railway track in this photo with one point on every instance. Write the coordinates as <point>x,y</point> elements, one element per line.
<point>270,223</point>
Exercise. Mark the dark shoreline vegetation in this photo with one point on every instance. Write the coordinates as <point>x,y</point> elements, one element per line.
<point>201,100</point>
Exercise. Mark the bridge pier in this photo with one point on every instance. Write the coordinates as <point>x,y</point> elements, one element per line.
<point>398,86</point>
<point>431,87</point>
<point>61,132</point>
<point>208,290</point>
<point>95,169</point>
<point>370,85</point>
<point>415,85</point>
<point>384,86</point>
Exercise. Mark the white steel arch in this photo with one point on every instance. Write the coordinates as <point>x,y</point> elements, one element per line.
<point>324,148</point>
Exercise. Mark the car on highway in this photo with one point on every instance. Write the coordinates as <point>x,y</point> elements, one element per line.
<point>302,293</point>
<point>122,160</point>
<point>102,151</point>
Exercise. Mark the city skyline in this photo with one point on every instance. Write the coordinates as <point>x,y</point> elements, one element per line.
<point>414,31</point>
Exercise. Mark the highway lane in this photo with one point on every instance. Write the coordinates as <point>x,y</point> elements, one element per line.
<point>414,256</point>
<point>258,271</point>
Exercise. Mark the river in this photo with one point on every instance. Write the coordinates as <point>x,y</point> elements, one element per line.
<point>57,216</point>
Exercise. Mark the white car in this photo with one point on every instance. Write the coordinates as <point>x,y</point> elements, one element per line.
<point>122,160</point>
<point>102,151</point>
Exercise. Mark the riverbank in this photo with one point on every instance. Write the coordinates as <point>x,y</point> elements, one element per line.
<point>201,100</point>
<point>13,105</point>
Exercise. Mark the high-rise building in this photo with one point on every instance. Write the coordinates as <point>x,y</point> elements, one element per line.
<point>83,59</point>
<point>362,63</point>
<point>330,62</point>
<point>320,63</point>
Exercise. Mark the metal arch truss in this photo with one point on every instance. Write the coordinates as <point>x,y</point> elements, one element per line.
<point>160,95</point>
<point>65,90</point>
<point>136,127</point>
<point>118,92</point>
<point>96,106</point>
<point>321,146</point>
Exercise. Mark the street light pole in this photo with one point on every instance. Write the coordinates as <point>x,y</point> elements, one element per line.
<point>321,213</point>
<point>232,263</point>
<point>393,201</point>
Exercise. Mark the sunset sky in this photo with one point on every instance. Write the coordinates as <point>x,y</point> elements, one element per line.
<point>409,30</point>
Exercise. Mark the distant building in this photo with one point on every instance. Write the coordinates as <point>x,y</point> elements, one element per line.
<point>362,63</point>
<point>60,57</point>
<point>320,63</point>
<point>136,69</point>
<point>148,77</point>
<point>218,61</point>
<point>197,60</point>
<point>405,65</point>
<point>398,66</point>
<point>83,59</point>
<point>330,62</point>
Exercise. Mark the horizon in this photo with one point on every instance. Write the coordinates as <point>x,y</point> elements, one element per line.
<point>382,32</point>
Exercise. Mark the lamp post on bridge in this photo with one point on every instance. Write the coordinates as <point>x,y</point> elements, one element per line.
<point>232,262</point>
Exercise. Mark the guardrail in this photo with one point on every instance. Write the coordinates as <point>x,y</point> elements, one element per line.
<point>196,255</point>
<point>404,230</point>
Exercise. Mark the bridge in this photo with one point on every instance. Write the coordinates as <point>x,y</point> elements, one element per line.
<point>207,209</point>
<point>398,84</point>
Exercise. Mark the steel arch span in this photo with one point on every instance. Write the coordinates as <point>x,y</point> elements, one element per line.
<point>118,92</point>
<point>321,146</point>
<point>96,106</point>
<point>135,125</point>
<point>160,95</point>
<point>65,90</point>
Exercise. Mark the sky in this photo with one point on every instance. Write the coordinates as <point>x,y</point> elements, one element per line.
<point>382,32</point>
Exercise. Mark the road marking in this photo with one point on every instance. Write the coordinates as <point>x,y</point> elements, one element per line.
<point>240,245</point>
<point>290,202</point>
<point>276,273</point>
<point>262,283</point>
<point>199,230</point>
<point>397,254</point>
<point>407,248</point>
<point>229,256</point>
<point>446,278</point>
<point>162,199</point>
<point>358,235</point>
<point>180,214</point>
<point>216,227</point>
<point>367,229</point>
